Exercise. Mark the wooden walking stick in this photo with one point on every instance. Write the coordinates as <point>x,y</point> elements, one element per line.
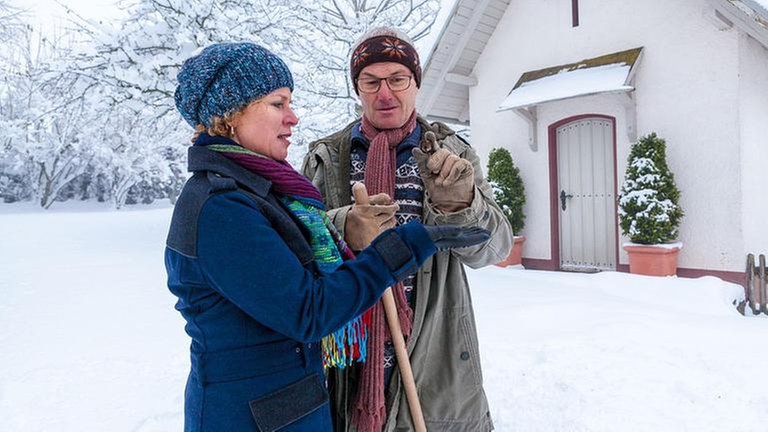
<point>403,362</point>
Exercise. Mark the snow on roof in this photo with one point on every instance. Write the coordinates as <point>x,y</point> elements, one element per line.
<point>607,73</point>
<point>569,84</point>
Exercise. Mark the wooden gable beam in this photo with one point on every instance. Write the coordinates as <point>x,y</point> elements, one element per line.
<point>741,19</point>
<point>457,51</point>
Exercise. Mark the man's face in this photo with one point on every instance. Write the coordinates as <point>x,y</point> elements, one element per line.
<point>386,109</point>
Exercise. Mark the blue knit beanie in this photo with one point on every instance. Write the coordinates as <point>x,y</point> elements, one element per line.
<point>225,77</point>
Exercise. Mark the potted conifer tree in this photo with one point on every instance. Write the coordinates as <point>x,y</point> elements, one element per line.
<point>649,209</point>
<point>509,193</point>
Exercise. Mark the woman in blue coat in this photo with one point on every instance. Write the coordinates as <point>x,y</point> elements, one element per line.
<point>260,274</point>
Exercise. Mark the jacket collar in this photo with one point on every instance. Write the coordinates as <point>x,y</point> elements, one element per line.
<point>200,158</point>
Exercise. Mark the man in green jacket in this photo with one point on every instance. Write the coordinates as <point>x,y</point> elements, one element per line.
<point>414,170</point>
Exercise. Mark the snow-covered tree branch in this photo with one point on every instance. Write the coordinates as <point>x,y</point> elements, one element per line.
<point>92,115</point>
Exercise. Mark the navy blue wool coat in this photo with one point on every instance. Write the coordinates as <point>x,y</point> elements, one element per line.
<point>256,304</point>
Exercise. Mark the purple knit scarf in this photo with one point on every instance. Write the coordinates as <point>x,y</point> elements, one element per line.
<point>285,180</point>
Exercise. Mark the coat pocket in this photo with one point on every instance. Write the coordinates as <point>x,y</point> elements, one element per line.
<point>471,353</point>
<point>282,407</point>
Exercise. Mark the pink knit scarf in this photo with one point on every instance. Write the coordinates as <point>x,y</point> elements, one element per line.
<point>369,413</point>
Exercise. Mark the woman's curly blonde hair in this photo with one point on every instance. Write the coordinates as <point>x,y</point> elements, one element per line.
<point>223,126</point>
<point>220,126</point>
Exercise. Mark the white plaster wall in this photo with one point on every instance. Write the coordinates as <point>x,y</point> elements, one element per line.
<point>753,113</point>
<point>686,90</point>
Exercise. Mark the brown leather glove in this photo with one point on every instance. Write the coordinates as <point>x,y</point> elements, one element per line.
<point>449,179</point>
<point>368,216</point>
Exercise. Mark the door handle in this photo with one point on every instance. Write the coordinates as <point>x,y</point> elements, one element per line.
<point>563,197</point>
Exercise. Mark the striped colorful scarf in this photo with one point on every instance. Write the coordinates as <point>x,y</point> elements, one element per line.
<point>348,344</point>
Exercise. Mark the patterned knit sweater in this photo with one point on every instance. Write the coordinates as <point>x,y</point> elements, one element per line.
<point>409,195</point>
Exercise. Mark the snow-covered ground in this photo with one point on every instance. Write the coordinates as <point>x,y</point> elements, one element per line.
<point>91,342</point>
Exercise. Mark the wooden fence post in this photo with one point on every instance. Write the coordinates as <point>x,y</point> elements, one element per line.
<point>762,294</point>
<point>757,285</point>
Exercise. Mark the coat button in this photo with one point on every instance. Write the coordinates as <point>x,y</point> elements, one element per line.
<point>298,349</point>
<point>465,355</point>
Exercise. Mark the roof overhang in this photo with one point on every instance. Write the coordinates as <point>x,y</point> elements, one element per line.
<point>448,72</point>
<point>610,73</point>
<point>750,16</point>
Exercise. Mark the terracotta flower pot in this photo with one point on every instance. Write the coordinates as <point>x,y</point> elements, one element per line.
<point>653,260</point>
<point>515,256</point>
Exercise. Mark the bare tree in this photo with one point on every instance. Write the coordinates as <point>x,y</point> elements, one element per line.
<point>11,22</point>
<point>141,60</point>
<point>94,112</point>
<point>45,121</point>
<point>327,30</point>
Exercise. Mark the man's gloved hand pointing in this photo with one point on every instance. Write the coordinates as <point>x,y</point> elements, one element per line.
<point>449,179</point>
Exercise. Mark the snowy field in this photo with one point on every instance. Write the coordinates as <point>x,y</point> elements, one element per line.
<point>91,342</point>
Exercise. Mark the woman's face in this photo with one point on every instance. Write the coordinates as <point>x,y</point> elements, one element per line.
<point>265,125</point>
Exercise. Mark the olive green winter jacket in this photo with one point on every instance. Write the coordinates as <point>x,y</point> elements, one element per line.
<point>443,346</point>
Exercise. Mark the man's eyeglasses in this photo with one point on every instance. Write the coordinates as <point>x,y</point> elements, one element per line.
<point>395,83</point>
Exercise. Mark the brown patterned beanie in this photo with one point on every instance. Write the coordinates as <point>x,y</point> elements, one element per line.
<point>384,44</point>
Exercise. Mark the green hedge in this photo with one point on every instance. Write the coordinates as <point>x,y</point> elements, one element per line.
<point>508,189</point>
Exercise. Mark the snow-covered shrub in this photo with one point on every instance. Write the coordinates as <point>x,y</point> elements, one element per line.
<point>508,189</point>
<point>649,209</point>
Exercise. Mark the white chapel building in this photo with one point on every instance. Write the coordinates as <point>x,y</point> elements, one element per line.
<point>568,85</point>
